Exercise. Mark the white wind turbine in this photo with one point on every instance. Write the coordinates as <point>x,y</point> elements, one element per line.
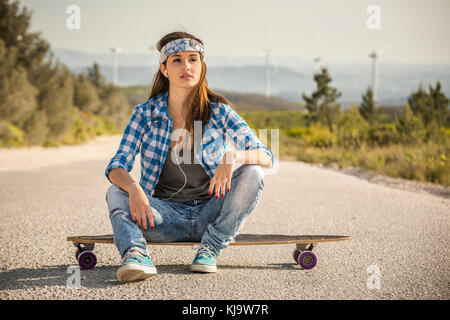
<point>114,50</point>
<point>374,56</point>
<point>115,71</point>
<point>267,52</point>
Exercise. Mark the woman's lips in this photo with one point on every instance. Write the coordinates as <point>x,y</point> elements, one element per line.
<point>186,77</point>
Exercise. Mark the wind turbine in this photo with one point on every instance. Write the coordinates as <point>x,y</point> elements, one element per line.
<point>115,71</point>
<point>374,56</point>
<point>267,51</point>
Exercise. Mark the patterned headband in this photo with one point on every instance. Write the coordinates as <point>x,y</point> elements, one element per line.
<point>183,44</point>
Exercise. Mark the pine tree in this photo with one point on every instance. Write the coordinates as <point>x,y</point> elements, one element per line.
<point>440,105</point>
<point>14,24</point>
<point>321,104</point>
<point>421,104</point>
<point>96,77</point>
<point>85,95</point>
<point>368,108</point>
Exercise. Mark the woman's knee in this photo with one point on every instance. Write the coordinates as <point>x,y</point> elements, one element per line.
<point>254,173</point>
<point>117,199</point>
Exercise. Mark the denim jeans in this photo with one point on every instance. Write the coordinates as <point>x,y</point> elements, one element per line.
<point>214,222</point>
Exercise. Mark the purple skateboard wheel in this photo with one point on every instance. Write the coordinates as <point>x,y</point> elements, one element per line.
<point>296,253</point>
<point>87,260</point>
<point>307,260</point>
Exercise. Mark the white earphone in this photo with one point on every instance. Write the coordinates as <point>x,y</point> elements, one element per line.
<point>185,178</point>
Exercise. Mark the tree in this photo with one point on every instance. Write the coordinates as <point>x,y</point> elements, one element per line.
<point>421,104</point>
<point>432,107</point>
<point>39,97</point>
<point>96,77</point>
<point>410,128</point>
<point>17,95</point>
<point>85,95</point>
<point>321,104</point>
<point>440,105</point>
<point>114,105</point>
<point>56,98</point>
<point>352,129</point>
<point>14,24</point>
<point>368,108</point>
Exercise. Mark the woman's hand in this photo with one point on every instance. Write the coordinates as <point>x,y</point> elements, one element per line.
<point>140,206</point>
<point>222,177</point>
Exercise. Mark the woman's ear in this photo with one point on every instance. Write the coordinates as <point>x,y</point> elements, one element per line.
<point>163,71</point>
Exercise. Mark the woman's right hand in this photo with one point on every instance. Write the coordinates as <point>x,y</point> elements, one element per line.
<point>140,206</point>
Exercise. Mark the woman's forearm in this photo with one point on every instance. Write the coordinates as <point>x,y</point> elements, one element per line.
<point>122,178</point>
<point>257,156</point>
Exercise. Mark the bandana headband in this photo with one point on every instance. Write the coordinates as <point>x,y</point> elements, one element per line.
<point>183,44</point>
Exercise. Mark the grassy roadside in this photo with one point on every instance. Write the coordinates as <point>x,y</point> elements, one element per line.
<point>428,162</point>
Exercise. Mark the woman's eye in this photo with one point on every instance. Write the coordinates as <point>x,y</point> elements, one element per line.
<point>176,60</point>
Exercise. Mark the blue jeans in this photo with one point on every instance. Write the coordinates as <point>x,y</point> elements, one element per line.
<point>214,222</point>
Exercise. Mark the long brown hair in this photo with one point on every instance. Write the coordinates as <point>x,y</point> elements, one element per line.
<point>198,101</point>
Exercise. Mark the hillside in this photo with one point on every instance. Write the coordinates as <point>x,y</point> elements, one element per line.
<point>242,102</point>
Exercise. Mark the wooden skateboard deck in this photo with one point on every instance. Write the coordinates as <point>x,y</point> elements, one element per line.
<point>241,240</point>
<point>302,253</point>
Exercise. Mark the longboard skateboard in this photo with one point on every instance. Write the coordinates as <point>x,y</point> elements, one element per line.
<point>302,253</point>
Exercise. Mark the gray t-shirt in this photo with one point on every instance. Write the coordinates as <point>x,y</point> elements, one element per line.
<point>172,179</point>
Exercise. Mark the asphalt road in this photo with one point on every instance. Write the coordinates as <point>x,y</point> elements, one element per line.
<point>400,247</point>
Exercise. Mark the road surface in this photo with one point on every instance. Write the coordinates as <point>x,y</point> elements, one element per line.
<point>400,247</point>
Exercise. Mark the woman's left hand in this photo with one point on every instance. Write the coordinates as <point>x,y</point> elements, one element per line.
<point>222,177</point>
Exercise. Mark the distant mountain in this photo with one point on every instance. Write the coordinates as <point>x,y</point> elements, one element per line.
<point>241,101</point>
<point>290,77</point>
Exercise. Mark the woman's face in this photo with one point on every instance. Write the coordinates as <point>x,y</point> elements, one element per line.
<point>183,69</point>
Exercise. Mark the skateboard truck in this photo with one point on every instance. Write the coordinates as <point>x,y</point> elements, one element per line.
<point>84,246</point>
<point>84,255</point>
<point>306,247</point>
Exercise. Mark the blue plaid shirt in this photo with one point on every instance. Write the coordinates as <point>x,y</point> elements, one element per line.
<point>150,132</point>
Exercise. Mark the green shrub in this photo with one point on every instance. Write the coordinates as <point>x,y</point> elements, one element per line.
<point>352,130</point>
<point>410,128</point>
<point>10,135</point>
<point>104,125</point>
<point>314,136</point>
<point>36,129</point>
<point>382,135</point>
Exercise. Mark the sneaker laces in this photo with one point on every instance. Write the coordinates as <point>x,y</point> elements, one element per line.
<point>204,250</point>
<point>131,254</point>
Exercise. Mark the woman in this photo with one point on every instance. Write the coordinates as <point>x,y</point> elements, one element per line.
<point>200,196</point>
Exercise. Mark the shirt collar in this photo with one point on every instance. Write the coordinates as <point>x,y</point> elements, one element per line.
<point>160,103</point>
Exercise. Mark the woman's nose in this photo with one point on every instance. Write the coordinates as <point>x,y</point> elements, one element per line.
<point>186,65</point>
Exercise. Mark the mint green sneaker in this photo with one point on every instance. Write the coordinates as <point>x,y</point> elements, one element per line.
<point>135,267</point>
<point>205,259</point>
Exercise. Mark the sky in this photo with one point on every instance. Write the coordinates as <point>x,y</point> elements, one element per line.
<point>411,31</point>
